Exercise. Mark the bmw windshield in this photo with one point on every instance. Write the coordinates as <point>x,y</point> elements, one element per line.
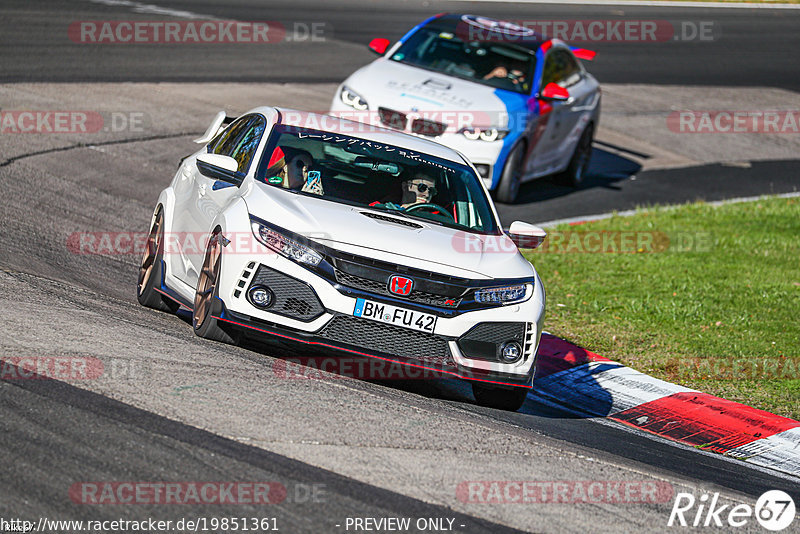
<point>378,176</point>
<point>497,65</point>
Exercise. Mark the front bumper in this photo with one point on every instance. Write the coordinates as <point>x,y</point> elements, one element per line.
<point>422,367</point>
<point>317,310</point>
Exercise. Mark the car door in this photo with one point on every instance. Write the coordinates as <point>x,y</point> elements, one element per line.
<point>554,116</point>
<point>204,197</point>
<point>574,114</point>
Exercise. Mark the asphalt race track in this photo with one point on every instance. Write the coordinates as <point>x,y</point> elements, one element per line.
<point>171,407</point>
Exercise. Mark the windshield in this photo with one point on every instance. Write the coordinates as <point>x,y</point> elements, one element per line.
<point>373,175</point>
<point>496,65</point>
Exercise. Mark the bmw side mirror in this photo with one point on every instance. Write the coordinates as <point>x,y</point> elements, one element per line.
<point>379,45</point>
<point>219,167</point>
<point>553,92</point>
<point>526,235</point>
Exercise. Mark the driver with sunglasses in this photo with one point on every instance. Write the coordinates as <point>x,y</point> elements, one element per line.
<point>418,190</point>
<point>417,195</point>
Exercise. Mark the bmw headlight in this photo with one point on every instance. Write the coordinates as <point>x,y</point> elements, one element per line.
<point>502,295</point>
<point>488,134</point>
<point>352,99</point>
<point>285,246</point>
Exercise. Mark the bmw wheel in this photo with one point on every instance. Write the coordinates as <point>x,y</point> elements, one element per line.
<point>508,188</point>
<point>579,163</point>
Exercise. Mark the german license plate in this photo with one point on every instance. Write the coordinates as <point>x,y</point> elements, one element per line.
<point>386,313</point>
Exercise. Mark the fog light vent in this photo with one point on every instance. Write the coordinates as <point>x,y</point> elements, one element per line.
<point>260,296</point>
<point>510,352</point>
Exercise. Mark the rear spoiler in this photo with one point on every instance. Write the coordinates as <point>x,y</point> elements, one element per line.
<point>221,120</point>
<point>582,53</point>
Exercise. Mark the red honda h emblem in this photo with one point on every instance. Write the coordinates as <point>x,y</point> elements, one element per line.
<point>400,285</point>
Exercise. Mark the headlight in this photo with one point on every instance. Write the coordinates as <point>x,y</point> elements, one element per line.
<point>489,134</point>
<point>285,246</point>
<point>352,99</point>
<point>502,295</point>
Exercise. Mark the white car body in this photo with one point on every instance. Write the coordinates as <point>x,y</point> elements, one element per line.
<point>195,205</point>
<point>549,131</point>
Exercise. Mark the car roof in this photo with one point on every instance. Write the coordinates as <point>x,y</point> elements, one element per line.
<point>329,123</point>
<point>458,24</point>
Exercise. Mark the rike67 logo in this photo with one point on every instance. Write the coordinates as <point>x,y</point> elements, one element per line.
<point>774,510</point>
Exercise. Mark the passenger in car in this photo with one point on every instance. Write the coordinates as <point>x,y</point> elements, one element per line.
<point>289,168</point>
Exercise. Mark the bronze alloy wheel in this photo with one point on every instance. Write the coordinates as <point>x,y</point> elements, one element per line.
<point>206,282</point>
<point>150,253</point>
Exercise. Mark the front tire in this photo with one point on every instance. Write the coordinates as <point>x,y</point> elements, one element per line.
<point>575,172</point>
<point>206,303</point>
<point>499,398</point>
<point>151,269</point>
<point>508,188</point>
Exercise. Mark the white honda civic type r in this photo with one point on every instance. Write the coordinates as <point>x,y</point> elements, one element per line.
<point>359,239</point>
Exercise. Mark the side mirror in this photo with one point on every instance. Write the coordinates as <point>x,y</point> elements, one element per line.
<point>379,45</point>
<point>219,167</point>
<point>554,93</point>
<point>526,235</point>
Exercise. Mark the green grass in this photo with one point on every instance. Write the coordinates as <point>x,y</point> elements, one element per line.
<point>721,317</point>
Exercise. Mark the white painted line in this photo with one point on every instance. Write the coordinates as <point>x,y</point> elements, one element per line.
<point>150,9</point>
<point>604,388</point>
<point>779,451</point>
<point>628,213</point>
<point>654,3</point>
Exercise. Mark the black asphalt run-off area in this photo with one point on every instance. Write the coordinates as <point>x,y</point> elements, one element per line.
<point>54,434</point>
<point>749,48</point>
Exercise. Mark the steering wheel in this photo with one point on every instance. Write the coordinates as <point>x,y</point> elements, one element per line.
<point>430,206</point>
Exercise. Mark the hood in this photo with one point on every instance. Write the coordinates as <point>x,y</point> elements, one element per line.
<point>439,97</point>
<point>432,247</point>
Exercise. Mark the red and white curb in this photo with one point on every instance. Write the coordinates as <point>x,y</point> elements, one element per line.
<point>596,386</point>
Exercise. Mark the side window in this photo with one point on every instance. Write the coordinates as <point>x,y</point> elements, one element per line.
<point>572,71</point>
<point>552,69</point>
<point>560,67</point>
<point>248,142</point>
<point>224,143</point>
<point>240,140</point>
